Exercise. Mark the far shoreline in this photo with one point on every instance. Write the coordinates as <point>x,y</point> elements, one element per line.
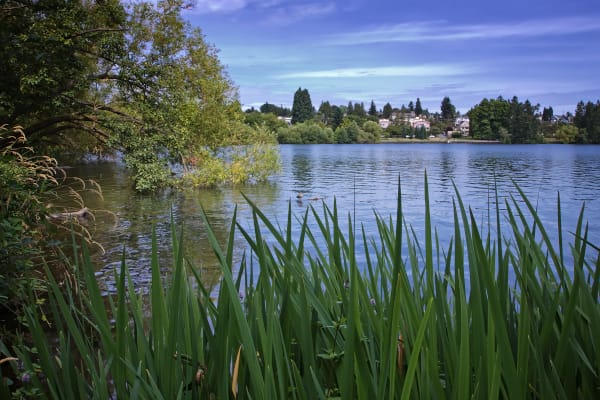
<point>437,140</point>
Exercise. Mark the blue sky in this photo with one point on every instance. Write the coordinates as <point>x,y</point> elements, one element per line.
<point>547,51</point>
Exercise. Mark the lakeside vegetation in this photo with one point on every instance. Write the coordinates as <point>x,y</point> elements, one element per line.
<point>495,314</point>
<point>492,119</point>
<point>513,317</point>
<point>132,80</point>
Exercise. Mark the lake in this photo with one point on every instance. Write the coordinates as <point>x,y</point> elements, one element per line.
<point>361,178</point>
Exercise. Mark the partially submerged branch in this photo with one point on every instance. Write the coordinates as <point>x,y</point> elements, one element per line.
<point>82,216</point>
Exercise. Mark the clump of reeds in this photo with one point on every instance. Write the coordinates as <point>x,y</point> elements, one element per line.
<point>494,315</point>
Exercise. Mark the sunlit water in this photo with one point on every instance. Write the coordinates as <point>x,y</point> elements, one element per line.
<point>362,179</point>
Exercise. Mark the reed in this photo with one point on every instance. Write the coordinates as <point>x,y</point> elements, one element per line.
<point>491,315</point>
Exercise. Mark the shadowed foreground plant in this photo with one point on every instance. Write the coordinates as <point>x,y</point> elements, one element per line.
<point>483,317</point>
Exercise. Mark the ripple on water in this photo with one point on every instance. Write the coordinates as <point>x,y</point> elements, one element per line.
<point>362,179</point>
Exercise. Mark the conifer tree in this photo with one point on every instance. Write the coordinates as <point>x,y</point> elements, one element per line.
<point>387,110</point>
<point>302,108</point>
<point>448,109</point>
<point>372,109</point>
<point>418,108</point>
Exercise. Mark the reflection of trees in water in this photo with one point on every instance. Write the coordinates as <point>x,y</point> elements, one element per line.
<point>302,171</point>
<point>137,215</point>
<point>129,233</point>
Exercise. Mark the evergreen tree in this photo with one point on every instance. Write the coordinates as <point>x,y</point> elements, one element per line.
<point>498,119</point>
<point>418,108</point>
<point>325,112</point>
<point>337,116</point>
<point>448,110</point>
<point>579,119</point>
<point>411,106</point>
<point>387,110</point>
<point>547,114</point>
<point>273,109</point>
<point>372,109</point>
<point>302,108</point>
<point>350,109</point>
<point>359,109</point>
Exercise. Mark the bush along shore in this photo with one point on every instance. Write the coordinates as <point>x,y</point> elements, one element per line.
<point>516,317</point>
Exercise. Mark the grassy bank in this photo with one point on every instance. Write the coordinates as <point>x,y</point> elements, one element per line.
<point>480,318</point>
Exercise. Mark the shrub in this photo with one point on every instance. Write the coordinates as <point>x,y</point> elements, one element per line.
<point>25,179</point>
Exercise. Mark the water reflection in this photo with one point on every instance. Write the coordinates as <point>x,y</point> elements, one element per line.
<point>361,178</point>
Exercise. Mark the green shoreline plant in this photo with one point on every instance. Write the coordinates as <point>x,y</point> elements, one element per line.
<point>481,318</point>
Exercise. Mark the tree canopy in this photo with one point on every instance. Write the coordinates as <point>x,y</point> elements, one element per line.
<point>587,120</point>
<point>84,75</point>
<point>447,108</point>
<point>418,107</point>
<point>508,121</point>
<point>372,109</point>
<point>302,108</point>
<point>387,110</point>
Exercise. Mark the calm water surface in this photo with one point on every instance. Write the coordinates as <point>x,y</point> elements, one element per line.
<point>362,179</point>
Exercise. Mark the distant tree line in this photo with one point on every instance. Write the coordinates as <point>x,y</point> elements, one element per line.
<point>351,123</point>
<point>508,121</point>
<point>587,121</point>
<point>520,122</point>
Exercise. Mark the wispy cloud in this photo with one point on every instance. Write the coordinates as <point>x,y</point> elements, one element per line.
<point>276,12</point>
<point>445,31</point>
<point>282,16</point>
<point>210,6</point>
<point>388,71</point>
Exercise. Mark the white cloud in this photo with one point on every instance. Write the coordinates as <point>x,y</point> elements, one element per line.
<point>288,15</point>
<point>278,12</point>
<point>208,6</point>
<point>411,70</point>
<point>444,31</point>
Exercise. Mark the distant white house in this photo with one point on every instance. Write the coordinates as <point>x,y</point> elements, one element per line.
<point>399,116</point>
<point>384,123</point>
<point>462,125</point>
<point>418,123</point>
<point>287,120</point>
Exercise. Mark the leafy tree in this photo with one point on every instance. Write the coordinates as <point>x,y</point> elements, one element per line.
<point>418,108</point>
<point>302,108</point>
<point>59,49</point>
<point>273,109</point>
<point>305,133</point>
<point>488,117</point>
<point>348,132</point>
<point>372,109</point>
<point>566,133</point>
<point>269,120</point>
<point>524,125</point>
<point>587,120</point>
<point>387,110</point>
<point>325,112</point>
<point>498,119</point>
<point>359,109</point>
<point>139,79</point>
<point>337,117</point>
<point>373,131</point>
<point>448,110</point>
<point>350,108</point>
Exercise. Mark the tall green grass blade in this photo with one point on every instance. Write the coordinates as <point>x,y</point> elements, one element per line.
<point>415,354</point>
<point>249,349</point>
